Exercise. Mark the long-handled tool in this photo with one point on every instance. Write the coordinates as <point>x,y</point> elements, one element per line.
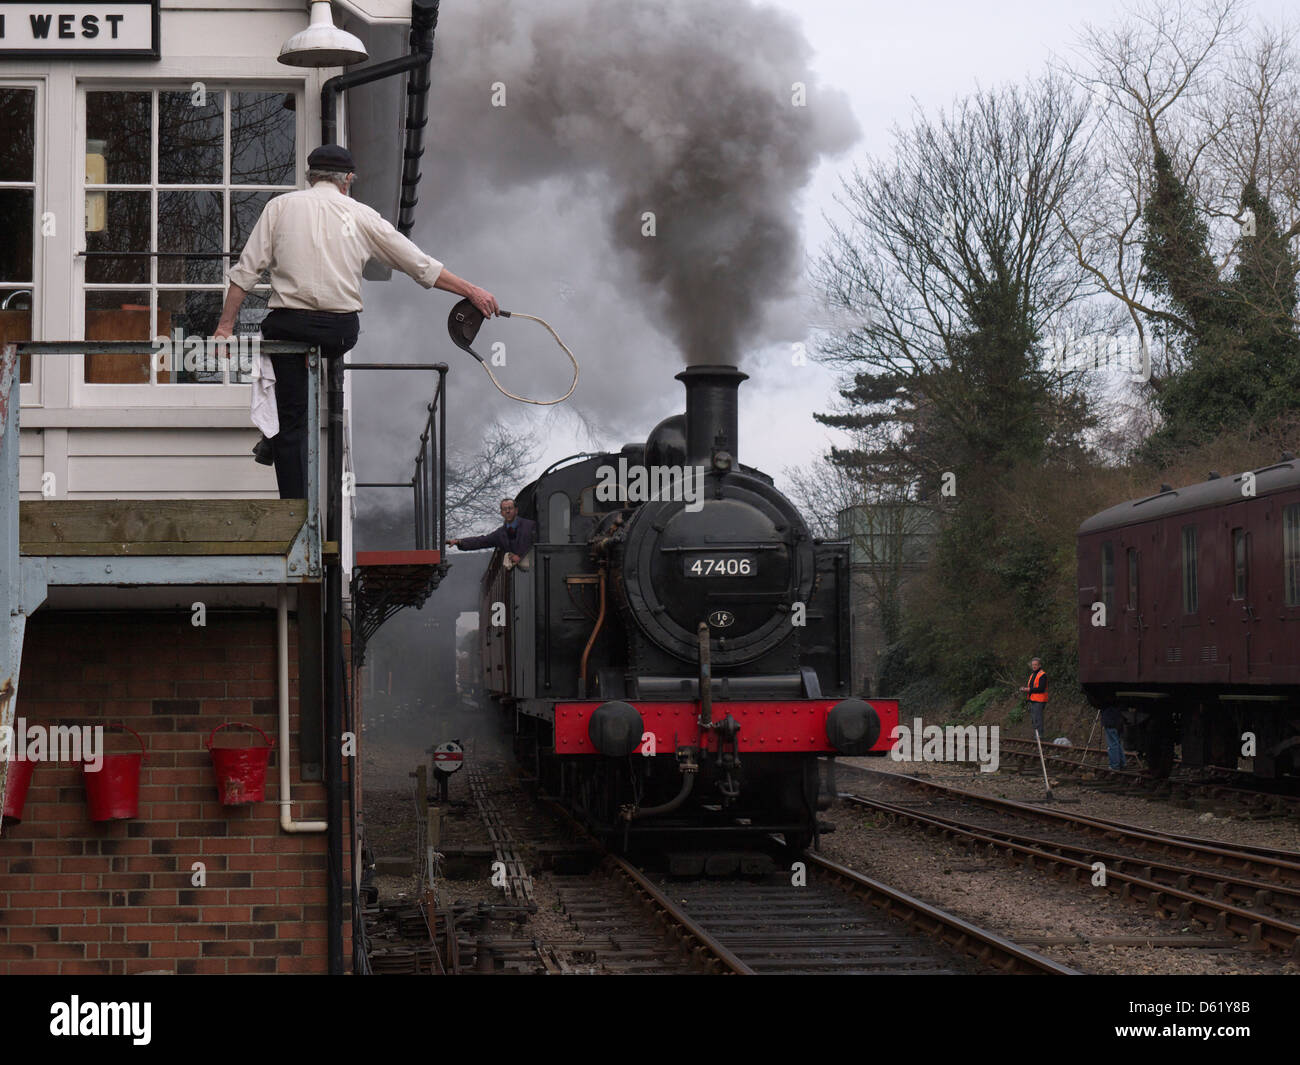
<point>464,323</point>
<point>1046,783</point>
<point>1092,731</point>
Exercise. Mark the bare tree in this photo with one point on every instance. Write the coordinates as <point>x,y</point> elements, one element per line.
<point>478,480</point>
<point>959,237</point>
<point>1221,99</point>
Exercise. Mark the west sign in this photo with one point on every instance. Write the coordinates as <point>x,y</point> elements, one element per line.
<point>109,28</point>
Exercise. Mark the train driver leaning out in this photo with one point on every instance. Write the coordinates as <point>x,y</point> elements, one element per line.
<point>1037,691</point>
<point>514,538</point>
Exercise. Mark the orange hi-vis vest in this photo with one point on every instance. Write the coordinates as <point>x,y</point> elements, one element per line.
<point>1037,697</point>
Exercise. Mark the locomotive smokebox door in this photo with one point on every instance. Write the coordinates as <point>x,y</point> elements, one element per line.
<point>447,758</point>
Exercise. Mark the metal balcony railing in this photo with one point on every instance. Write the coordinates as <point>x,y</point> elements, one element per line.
<point>384,582</point>
<point>428,482</point>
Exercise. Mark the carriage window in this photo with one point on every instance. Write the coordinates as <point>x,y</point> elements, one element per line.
<point>1240,553</point>
<point>557,518</point>
<point>1291,553</point>
<point>1190,597</point>
<point>1133,578</point>
<point>1108,578</point>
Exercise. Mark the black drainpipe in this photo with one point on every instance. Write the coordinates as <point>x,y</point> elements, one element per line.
<point>417,112</point>
<point>424,20</point>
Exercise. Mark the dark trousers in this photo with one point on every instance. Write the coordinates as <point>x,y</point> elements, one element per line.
<point>1035,715</point>
<point>1115,748</point>
<point>336,334</point>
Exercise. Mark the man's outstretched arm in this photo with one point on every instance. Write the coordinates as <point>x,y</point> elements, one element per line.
<point>475,543</point>
<point>401,253</point>
<point>480,297</point>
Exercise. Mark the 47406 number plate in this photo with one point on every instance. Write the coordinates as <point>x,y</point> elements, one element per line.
<point>720,565</point>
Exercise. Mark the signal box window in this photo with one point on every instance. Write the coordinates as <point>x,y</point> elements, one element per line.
<point>1190,598</point>
<point>175,181</point>
<point>1133,578</point>
<point>1108,578</point>
<point>1240,563</point>
<point>17,217</point>
<point>1291,553</point>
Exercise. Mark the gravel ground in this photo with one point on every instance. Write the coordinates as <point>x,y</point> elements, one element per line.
<point>1024,904</point>
<point>1283,834</point>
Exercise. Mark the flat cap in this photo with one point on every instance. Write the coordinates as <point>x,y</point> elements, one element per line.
<point>331,157</point>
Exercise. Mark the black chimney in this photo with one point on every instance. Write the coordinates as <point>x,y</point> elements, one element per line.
<point>711,412</point>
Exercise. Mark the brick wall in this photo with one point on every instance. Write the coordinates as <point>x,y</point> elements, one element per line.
<point>118,897</point>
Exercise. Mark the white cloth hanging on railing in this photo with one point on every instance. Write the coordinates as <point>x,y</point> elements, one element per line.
<point>262,406</point>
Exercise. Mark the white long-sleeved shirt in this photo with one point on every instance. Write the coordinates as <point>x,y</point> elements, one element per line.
<point>316,243</point>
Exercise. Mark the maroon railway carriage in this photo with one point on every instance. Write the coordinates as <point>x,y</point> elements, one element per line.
<point>1189,616</point>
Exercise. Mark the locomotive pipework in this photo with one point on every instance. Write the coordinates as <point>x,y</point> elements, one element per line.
<point>595,632</point>
<point>706,678</point>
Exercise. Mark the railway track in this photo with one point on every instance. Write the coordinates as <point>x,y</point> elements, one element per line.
<point>584,910</point>
<point>1248,892</point>
<point>835,921</point>
<point>838,922</point>
<point>1214,787</point>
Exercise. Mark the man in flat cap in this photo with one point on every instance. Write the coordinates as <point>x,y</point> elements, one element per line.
<point>316,242</point>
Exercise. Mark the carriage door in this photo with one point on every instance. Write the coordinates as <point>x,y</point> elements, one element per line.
<point>1244,650</point>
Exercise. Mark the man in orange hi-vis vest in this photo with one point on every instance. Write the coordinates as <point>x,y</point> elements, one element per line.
<point>1037,691</point>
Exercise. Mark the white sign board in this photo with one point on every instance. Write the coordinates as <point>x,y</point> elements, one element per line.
<point>91,28</point>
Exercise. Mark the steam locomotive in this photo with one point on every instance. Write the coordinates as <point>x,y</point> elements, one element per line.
<point>1189,617</point>
<point>673,653</point>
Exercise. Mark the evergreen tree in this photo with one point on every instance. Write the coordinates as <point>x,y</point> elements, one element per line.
<point>1235,339</point>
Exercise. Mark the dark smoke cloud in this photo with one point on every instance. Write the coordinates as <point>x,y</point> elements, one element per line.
<point>682,108</point>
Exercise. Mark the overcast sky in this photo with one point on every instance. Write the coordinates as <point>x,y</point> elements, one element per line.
<point>542,245</point>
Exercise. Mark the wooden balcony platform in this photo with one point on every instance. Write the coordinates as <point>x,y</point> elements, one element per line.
<point>171,541</point>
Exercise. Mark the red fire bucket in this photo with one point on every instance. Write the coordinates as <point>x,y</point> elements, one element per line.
<point>113,792</point>
<point>240,771</point>
<point>16,782</point>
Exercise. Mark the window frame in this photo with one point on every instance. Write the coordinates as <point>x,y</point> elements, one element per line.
<point>31,392</point>
<point>1190,575</point>
<point>1240,545</point>
<point>551,531</point>
<point>228,393</point>
<point>1108,580</point>
<point>1291,559</point>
